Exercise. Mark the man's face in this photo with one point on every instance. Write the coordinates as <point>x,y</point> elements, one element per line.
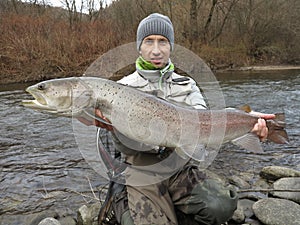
<point>156,49</point>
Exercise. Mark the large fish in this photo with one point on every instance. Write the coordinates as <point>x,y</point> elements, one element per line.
<point>145,118</point>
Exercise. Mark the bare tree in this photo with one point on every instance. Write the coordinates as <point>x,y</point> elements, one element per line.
<point>94,9</point>
<point>194,22</point>
<point>72,11</point>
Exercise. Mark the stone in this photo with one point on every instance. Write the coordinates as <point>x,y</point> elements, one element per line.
<point>246,205</point>
<point>238,181</point>
<point>88,215</point>
<point>250,221</point>
<point>252,195</point>
<point>36,218</point>
<point>94,212</point>
<point>272,211</point>
<point>83,216</point>
<point>288,183</point>
<point>261,184</point>
<point>238,215</point>
<point>276,172</point>
<point>68,220</point>
<point>49,221</point>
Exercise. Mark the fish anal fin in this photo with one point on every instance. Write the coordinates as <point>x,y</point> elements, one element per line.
<point>249,141</point>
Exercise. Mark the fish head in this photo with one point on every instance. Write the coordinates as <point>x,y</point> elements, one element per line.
<point>67,96</point>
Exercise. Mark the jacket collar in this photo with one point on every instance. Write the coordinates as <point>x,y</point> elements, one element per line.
<point>155,75</point>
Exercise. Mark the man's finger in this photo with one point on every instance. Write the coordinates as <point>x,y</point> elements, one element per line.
<point>263,115</point>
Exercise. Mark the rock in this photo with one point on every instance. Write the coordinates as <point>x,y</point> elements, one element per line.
<point>261,184</point>
<point>250,221</point>
<point>252,195</point>
<point>49,221</point>
<point>94,212</point>
<point>67,221</point>
<point>88,215</point>
<point>238,215</point>
<point>276,172</point>
<point>274,211</point>
<point>288,183</point>
<point>36,218</point>
<point>239,182</point>
<point>83,216</point>
<point>246,205</point>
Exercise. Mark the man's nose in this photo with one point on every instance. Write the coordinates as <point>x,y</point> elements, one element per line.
<point>156,48</point>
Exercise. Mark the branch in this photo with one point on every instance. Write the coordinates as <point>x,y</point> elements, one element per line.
<point>268,190</point>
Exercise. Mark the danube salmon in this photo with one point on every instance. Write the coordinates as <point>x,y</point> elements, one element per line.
<point>147,119</point>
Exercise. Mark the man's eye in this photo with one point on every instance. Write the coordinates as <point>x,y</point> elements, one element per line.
<point>148,42</point>
<point>163,42</point>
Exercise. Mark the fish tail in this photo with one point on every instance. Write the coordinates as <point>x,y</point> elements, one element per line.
<point>277,132</point>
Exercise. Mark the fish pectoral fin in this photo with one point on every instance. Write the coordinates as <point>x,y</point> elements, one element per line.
<point>249,141</point>
<point>197,152</point>
<point>91,115</point>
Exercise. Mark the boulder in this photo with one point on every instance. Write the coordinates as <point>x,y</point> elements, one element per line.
<point>288,183</point>
<point>49,221</point>
<point>272,211</point>
<point>276,172</point>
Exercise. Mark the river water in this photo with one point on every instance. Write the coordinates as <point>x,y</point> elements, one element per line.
<point>42,168</point>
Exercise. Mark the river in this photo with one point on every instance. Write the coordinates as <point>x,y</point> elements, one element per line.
<point>42,168</point>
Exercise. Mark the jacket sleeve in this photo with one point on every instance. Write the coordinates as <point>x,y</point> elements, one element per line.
<point>195,98</point>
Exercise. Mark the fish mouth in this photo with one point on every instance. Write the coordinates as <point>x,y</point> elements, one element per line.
<point>39,101</point>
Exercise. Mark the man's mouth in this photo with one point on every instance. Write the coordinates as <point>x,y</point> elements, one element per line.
<point>156,61</point>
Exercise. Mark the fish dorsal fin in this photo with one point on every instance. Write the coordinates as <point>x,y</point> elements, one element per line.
<point>249,141</point>
<point>246,108</point>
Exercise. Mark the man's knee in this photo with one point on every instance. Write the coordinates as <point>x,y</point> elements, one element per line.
<point>218,210</point>
<point>217,202</point>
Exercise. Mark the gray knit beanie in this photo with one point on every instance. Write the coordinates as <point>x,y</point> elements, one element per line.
<point>155,24</point>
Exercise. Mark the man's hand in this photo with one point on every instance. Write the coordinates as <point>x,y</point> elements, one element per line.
<point>97,123</point>
<point>260,128</point>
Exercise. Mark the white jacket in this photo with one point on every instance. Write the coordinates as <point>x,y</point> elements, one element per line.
<point>174,88</point>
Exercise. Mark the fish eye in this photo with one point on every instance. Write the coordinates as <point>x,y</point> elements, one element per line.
<point>41,86</point>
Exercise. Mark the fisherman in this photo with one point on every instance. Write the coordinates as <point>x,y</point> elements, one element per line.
<point>189,196</point>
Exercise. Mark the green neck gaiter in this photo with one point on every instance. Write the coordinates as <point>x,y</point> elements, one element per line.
<point>142,64</point>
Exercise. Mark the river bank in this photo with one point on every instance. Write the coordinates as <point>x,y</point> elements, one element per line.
<point>270,68</point>
<point>25,78</point>
<point>262,199</point>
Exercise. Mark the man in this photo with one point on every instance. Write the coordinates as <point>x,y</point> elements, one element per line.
<point>189,196</point>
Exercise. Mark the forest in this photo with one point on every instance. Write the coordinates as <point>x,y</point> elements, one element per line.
<point>39,41</point>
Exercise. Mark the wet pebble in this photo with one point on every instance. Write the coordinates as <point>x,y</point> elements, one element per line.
<point>276,172</point>
<point>288,183</point>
